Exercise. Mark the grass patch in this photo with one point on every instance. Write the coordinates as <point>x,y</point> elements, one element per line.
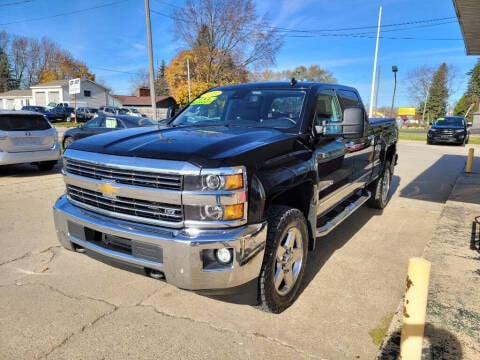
<point>407,135</point>
<point>379,332</point>
<point>68,124</point>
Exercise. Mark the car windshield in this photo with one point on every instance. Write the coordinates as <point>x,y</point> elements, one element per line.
<point>245,107</point>
<point>449,121</point>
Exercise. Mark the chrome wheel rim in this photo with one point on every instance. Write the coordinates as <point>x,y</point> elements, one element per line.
<point>385,184</point>
<point>288,261</point>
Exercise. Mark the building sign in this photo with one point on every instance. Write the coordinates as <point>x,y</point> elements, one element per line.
<point>409,111</point>
<point>74,86</point>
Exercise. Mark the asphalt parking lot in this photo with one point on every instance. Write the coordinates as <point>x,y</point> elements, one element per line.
<point>56,304</point>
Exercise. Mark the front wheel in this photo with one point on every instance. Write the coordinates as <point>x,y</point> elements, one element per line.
<point>381,187</point>
<point>285,258</point>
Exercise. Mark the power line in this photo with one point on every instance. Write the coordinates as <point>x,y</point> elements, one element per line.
<point>117,71</point>
<point>63,14</point>
<point>365,27</point>
<point>16,3</point>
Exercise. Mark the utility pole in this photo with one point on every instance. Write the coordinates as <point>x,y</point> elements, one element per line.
<point>153,97</point>
<point>370,112</point>
<point>376,90</point>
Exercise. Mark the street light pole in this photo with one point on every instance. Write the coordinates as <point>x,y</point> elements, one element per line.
<point>394,69</point>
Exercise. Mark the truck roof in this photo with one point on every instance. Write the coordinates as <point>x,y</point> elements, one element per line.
<point>284,84</point>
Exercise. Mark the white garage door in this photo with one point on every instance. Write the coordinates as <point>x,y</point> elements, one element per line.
<point>54,96</point>
<point>40,99</point>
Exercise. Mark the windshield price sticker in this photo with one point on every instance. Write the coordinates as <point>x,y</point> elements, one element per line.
<point>207,98</point>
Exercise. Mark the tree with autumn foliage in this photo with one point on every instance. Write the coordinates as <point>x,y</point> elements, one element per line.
<point>34,61</point>
<point>64,66</point>
<point>224,39</point>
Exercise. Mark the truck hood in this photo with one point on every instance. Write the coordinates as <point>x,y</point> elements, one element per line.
<point>205,146</point>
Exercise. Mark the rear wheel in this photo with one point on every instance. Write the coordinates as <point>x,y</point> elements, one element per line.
<point>380,188</point>
<point>285,259</point>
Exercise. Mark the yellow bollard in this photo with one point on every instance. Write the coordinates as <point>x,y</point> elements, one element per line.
<point>414,309</point>
<point>468,168</point>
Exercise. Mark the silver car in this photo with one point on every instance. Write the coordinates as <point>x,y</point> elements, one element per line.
<point>28,137</point>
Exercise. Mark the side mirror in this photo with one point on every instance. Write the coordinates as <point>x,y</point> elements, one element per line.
<point>351,127</point>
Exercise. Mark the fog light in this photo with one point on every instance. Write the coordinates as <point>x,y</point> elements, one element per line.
<point>223,255</point>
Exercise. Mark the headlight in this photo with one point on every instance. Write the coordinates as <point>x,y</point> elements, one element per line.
<point>214,212</point>
<point>215,195</point>
<point>222,182</point>
<point>459,131</point>
<point>215,179</point>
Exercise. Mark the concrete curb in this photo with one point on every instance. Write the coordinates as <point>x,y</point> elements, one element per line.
<point>452,329</point>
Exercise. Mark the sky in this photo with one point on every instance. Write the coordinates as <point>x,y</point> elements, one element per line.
<point>109,36</point>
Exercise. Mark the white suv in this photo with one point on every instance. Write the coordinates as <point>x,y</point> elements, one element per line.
<point>28,137</point>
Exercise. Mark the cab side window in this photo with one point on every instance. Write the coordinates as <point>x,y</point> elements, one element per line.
<point>327,108</point>
<point>349,98</point>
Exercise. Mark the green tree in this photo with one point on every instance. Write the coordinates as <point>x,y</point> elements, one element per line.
<point>438,94</point>
<point>471,98</point>
<point>5,78</point>
<point>161,83</point>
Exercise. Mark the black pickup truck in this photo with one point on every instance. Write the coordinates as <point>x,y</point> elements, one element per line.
<point>236,188</point>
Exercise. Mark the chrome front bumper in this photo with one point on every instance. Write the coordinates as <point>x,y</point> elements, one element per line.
<point>184,256</point>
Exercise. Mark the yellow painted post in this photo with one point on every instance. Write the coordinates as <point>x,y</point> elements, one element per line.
<point>468,168</point>
<point>414,309</point>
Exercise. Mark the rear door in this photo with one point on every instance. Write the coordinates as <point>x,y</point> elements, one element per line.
<point>359,150</point>
<point>25,132</point>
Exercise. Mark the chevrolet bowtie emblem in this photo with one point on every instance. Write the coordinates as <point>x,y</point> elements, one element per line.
<point>107,189</point>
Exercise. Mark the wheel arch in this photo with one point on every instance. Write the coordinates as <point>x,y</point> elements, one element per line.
<point>299,197</point>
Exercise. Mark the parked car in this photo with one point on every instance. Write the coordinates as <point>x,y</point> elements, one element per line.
<point>51,116</point>
<point>130,111</point>
<point>103,123</point>
<point>64,113</point>
<point>109,110</point>
<point>85,113</point>
<point>449,129</point>
<point>28,137</point>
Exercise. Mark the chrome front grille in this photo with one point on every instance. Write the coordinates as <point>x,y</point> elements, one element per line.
<point>123,205</point>
<point>119,175</point>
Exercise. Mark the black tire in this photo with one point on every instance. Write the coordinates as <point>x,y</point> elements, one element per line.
<point>67,142</point>
<point>46,165</point>
<point>429,142</point>
<point>285,259</point>
<point>380,188</point>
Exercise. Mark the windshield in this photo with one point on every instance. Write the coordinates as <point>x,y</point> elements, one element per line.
<point>450,121</point>
<point>245,107</point>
